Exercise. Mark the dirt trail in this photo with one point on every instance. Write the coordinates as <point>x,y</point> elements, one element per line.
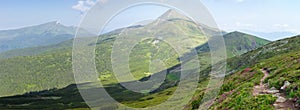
<point>263,89</point>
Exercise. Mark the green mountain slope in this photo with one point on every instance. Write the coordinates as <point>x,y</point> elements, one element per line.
<point>279,58</point>
<point>238,43</point>
<point>272,49</point>
<point>65,101</point>
<point>40,68</point>
<point>53,69</point>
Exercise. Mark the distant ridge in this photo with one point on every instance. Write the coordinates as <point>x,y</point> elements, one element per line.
<point>238,43</point>
<point>38,35</point>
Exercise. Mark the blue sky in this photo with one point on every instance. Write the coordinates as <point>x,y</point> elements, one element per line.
<point>257,15</point>
<point>230,15</point>
<point>20,13</point>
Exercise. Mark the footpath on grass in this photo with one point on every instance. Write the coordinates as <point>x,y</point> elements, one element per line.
<point>282,103</point>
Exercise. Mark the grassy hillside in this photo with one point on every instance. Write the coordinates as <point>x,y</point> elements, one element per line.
<point>238,43</point>
<point>42,67</point>
<point>52,66</point>
<point>272,49</point>
<point>281,58</point>
<point>238,91</point>
<point>60,69</point>
<point>32,66</point>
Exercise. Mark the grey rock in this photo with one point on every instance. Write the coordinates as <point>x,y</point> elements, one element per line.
<point>276,106</point>
<point>272,91</point>
<point>286,84</point>
<point>273,88</point>
<point>280,100</point>
<point>277,95</point>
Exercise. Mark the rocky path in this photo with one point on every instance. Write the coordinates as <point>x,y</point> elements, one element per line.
<point>261,88</point>
<point>281,103</point>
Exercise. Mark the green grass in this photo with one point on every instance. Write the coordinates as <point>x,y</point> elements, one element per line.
<point>238,43</point>
<point>281,57</point>
<point>285,69</point>
<point>236,93</point>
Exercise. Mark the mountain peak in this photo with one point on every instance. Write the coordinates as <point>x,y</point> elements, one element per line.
<point>171,14</point>
<point>236,32</point>
<point>52,23</point>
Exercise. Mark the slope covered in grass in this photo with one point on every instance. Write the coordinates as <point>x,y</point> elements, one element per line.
<point>53,68</point>
<point>281,58</point>
<point>48,67</point>
<point>238,43</point>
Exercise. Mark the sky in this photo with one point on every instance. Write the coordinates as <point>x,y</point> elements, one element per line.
<point>230,15</point>
<point>256,15</point>
<point>20,13</point>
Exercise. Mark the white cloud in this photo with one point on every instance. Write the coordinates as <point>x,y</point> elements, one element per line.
<point>90,2</point>
<point>84,5</point>
<point>285,27</point>
<point>239,24</point>
<point>281,25</point>
<point>240,0</point>
<point>103,1</point>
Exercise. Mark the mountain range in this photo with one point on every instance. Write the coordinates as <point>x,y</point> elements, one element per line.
<point>39,63</point>
<point>35,36</point>
<point>240,83</point>
<point>44,78</point>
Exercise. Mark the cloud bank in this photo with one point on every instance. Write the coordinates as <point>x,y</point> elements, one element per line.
<point>84,5</point>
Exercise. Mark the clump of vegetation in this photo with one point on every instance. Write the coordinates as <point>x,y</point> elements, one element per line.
<point>281,58</point>
<point>244,100</point>
<point>285,68</point>
<point>236,92</point>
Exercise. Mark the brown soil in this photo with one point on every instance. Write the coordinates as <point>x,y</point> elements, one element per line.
<point>259,89</point>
